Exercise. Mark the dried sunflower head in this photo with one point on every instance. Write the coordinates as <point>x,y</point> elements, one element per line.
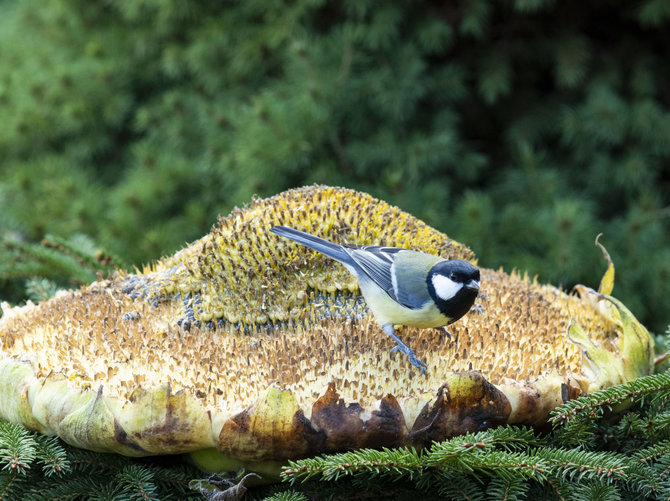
<point>243,348</point>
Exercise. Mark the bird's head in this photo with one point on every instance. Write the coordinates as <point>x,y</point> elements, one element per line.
<point>454,286</point>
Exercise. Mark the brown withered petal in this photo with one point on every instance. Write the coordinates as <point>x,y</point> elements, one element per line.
<point>245,348</point>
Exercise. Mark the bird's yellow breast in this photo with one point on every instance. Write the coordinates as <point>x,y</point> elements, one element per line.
<point>388,311</point>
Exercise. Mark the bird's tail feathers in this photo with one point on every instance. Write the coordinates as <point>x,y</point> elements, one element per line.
<point>325,247</point>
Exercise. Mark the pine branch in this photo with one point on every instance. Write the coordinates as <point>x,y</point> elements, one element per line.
<point>649,466</point>
<point>577,465</point>
<point>593,405</point>
<point>36,467</point>
<point>52,455</point>
<point>10,483</point>
<point>393,463</point>
<point>288,496</point>
<point>558,488</point>
<point>651,429</point>
<point>596,491</point>
<point>456,486</point>
<point>500,489</point>
<point>84,251</point>
<point>574,420</point>
<point>36,260</point>
<point>75,259</point>
<point>138,479</point>
<point>69,488</point>
<point>652,453</point>
<point>509,438</point>
<point>506,465</point>
<point>18,448</point>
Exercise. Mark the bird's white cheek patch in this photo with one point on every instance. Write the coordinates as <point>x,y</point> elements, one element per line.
<point>445,288</point>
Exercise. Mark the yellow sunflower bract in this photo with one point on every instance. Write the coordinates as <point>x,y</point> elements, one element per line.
<point>244,347</point>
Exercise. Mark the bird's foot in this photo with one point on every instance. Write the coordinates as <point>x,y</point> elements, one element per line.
<point>403,348</point>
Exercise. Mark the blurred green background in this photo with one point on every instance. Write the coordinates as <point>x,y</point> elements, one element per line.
<point>521,128</point>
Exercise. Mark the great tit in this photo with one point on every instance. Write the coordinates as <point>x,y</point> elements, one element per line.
<point>401,286</point>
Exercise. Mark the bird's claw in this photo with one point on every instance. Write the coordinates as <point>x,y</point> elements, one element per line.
<point>412,357</point>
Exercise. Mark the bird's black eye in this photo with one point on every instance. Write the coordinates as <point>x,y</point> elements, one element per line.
<point>452,276</point>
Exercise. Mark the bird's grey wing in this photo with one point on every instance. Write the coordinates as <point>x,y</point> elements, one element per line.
<point>400,272</point>
<point>375,262</point>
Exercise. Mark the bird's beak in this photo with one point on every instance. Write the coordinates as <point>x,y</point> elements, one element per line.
<point>473,284</point>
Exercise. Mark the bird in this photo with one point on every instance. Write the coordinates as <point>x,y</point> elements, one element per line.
<point>401,286</point>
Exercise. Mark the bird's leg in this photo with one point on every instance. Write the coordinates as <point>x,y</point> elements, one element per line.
<point>402,347</point>
<point>444,328</point>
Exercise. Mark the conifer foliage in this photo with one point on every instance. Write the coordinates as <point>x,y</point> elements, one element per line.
<point>36,467</point>
<point>521,127</point>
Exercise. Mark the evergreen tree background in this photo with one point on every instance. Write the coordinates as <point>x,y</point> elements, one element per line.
<point>520,127</point>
